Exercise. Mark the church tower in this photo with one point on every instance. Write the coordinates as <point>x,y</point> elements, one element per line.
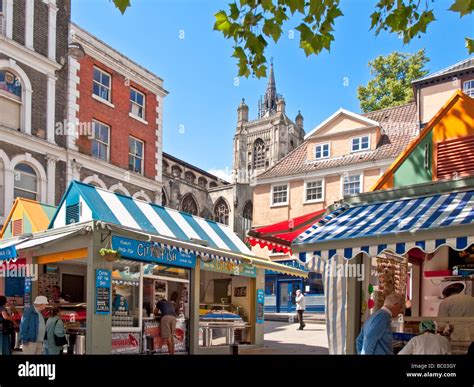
<point>260,143</point>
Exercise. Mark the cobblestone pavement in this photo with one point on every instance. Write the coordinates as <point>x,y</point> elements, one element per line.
<point>284,338</point>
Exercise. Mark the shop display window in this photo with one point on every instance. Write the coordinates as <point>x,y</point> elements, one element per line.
<point>125,294</point>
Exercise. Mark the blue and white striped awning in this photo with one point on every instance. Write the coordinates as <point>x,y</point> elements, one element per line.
<point>83,202</point>
<point>427,223</point>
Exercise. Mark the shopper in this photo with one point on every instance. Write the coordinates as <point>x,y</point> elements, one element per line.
<point>428,342</point>
<point>456,304</point>
<point>376,335</point>
<point>300,308</point>
<point>33,327</point>
<point>167,323</point>
<point>57,296</point>
<point>7,325</point>
<point>55,334</point>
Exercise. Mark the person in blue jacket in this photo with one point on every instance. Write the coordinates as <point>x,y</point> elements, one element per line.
<point>376,335</point>
<point>33,327</point>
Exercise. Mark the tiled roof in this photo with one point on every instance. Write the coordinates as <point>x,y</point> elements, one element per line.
<point>399,125</point>
<point>462,65</point>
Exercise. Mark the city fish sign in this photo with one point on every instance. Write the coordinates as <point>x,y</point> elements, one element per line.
<point>152,252</point>
<point>229,267</point>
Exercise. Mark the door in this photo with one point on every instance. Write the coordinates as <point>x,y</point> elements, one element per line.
<point>73,287</point>
<point>286,291</point>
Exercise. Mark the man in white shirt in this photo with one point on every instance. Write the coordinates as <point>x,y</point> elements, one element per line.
<point>428,342</point>
<point>455,304</point>
<point>300,308</point>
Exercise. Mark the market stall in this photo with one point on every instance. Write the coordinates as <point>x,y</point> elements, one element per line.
<point>370,249</point>
<point>115,256</point>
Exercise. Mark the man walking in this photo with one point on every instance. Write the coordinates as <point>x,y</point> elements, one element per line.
<point>300,308</point>
<point>376,335</point>
<point>33,327</point>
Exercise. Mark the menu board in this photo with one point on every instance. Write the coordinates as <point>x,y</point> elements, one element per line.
<point>260,306</point>
<point>27,301</point>
<point>102,291</point>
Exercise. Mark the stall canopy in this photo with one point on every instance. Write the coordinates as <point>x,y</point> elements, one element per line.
<point>426,223</point>
<point>26,216</point>
<point>279,236</point>
<point>83,202</point>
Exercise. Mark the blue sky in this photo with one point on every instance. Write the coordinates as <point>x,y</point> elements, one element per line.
<point>198,71</point>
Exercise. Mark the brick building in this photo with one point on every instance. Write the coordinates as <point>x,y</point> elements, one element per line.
<point>33,97</point>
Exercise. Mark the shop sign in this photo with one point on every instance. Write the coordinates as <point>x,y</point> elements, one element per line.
<point>125,343</point>
<point>102,291</point>
<point>260,306</point>
<point>27,296</point>
<point>152,252</point>
<point>8,253</point>
<point>229,267</point>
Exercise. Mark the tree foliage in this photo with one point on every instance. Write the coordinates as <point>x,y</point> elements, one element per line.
<point>392,78</point>
<point>251,24</point>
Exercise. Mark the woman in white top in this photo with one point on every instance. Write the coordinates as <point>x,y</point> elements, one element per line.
<point>428,342</point>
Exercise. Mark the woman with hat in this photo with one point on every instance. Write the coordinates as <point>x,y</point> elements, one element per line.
<point>427,342</point>
<point>33,327</point>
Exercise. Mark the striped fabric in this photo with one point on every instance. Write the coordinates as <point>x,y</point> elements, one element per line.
<point>375,220</point>
<point>392,218</point>
<point>98,204</point>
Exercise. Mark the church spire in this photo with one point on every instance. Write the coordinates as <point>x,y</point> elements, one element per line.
<point>268,106</point>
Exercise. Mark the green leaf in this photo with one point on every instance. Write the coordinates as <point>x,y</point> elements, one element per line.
<point>470,45</point>
<point>234,11</point>
<point>464,7</point>
<point>222,23</point>
<point>270,28</point>
<point>122,5</point>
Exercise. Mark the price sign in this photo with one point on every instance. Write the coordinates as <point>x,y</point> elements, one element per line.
<point>102,291</point>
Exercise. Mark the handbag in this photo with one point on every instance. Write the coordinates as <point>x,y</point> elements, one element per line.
<point>59,341</point>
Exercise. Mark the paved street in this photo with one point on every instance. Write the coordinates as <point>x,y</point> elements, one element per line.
<point>283,338</point>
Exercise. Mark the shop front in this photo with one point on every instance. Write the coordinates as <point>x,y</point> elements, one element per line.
<point>413,246</point>
<point>107,259</point>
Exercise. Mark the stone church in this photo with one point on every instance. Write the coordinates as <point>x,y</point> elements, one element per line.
<point>258,144</point>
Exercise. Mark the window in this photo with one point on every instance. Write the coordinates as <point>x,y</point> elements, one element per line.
<point>2,20</point>
<point>202,182</point>
<point>280,194</point>
<point>190,177</point>
<point>135,155</point>
<point>468,88</point>
<point>10,83</point>
<point>164,200</point>
<point>259,154</point>
<point>176,171</point>
<point>100,142</point>
<point>247,218</point>
<point>189,205</point>
<point>321,151</point>
<point>360,143</point>
<point>352,185</point>
<point>101,84</point>
<point>221,212</point>
<point>314,191</point>
<point>25,185</point>
<point>137,103</point>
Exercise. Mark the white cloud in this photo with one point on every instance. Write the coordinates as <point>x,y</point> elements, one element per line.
<point>224,174</point>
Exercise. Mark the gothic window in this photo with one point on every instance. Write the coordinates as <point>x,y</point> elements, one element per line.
<point>176,171</point>
<point>25,184</point>
<point>189,205</point>
<point>164,201</point>
<point>259,154</point>
<point>213,184</point>
<point>190,177</point>
<point>221,212</point>
<point>247,217</point>
<point>202,182</point>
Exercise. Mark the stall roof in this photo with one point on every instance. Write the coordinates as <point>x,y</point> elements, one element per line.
<point>84,202</point>
<point>425,222</point>
<point>279,236</point>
